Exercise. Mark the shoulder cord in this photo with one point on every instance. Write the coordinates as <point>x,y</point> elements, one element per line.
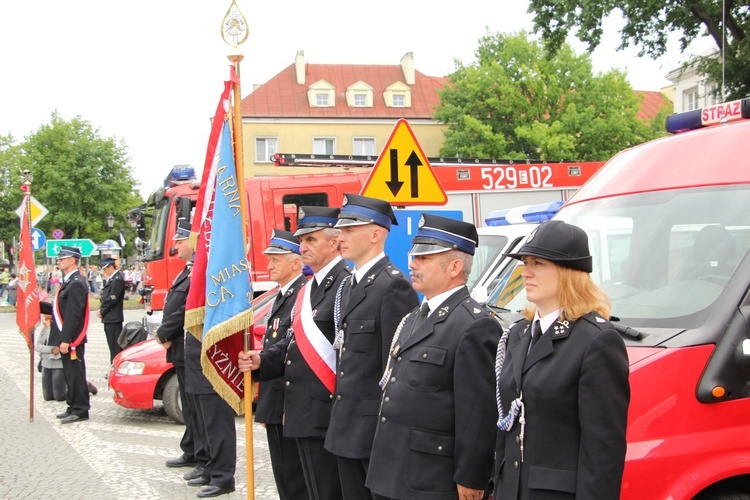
<point>338,340</point>
<point>388,368</point>
<point>505,423</point>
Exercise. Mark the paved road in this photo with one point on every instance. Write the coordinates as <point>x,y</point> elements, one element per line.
<point>117,454</point>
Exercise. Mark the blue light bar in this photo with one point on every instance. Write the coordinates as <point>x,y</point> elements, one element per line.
<point>527,213</point>
<point>710,115</point>
<point>180,174</point>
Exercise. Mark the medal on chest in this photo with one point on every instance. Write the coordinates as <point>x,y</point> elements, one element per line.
<point>276,322</point>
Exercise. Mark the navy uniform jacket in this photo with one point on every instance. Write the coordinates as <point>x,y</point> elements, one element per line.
<point>173,319</point>
<point>71,299</point>
<point>438,414</point>
<point>270,405</point>
<point>112,295</point>
<point>307,402</point>
<point>369,318</point>
<point>576,395</point>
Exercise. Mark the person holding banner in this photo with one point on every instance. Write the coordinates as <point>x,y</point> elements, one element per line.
<point>285,268</point>
<point>369,307</point>
<point>171,336</point>
<point>305,357</point>
<point>435,436</point>
<point>70,314</point>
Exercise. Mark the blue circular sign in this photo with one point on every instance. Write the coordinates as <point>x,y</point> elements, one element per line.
<point>57,234</point>
<point>38,239</point>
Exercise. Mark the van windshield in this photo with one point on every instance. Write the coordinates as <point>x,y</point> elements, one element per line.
<point>663,257</point>
<point>489,248</point>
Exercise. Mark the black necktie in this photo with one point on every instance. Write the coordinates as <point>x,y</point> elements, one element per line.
<point>424,311</point>
<point>536,333</point>
<point>313,285</point>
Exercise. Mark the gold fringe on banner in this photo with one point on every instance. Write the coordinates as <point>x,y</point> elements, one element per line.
<point>233,326</point>
<point>194,321</point>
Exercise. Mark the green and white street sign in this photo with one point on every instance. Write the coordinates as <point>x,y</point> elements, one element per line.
<point>87,247</point>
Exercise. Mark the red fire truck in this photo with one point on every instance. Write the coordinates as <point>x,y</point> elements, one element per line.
<point>474,189</point>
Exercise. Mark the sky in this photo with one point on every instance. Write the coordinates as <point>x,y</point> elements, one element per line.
<point>150,72</point>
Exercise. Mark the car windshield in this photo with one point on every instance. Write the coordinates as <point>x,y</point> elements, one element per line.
<point>663,257</point>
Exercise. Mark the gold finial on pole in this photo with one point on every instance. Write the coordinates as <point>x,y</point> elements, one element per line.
<point>234,29</point>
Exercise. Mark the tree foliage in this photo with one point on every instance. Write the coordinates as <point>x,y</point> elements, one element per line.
<point>10,193</point>
<point>79,176</point>
<point>517,101</point>
<point>649,23</point>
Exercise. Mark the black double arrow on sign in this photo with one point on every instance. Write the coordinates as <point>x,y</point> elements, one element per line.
<point>413,162</point>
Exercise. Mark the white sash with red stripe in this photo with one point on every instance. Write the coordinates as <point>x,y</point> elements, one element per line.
<point>59,319</point>
<point>313,345</point>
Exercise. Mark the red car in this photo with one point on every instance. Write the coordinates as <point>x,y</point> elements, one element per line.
<point>140,374</point>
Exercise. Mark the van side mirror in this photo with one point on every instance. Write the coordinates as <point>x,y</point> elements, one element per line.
<point>172,251</point>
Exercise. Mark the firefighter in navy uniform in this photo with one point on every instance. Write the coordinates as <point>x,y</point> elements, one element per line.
<point>371,304</point>
<point>285,268</point>
<point>68,332</point>
<point>171,335</point>
<point>307,400</point>
<point>110,308</point>
<point>566,367</point>
<point>436,427</point>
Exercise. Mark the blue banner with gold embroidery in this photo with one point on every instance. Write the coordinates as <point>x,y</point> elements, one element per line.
<point>228,290</point>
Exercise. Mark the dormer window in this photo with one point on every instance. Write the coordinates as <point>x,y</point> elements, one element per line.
<point>397,95</point>
<point>321,94</point>
<point>359,95</point>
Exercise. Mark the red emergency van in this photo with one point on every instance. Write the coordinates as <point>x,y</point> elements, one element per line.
<point>669,228</point>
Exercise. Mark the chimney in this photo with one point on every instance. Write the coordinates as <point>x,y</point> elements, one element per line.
<point>407,67</point>
<point>299,67</point>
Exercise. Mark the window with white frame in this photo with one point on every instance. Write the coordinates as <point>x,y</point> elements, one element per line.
<point>265,147</point>
<point>360,100</point>
<point>690,99</point>
<point>399,101</point>
<point>321,100</point>
<point>324,146</point>
<point>363,146</point>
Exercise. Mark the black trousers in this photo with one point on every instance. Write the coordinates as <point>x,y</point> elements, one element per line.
<point>53,384</point>
<point>286,463</point>
<point>219,434</point>
<point>75,377</point>
<point>353,473</point>
<point>320,469</point>
<point>191,443</point>
<point>112,331</point>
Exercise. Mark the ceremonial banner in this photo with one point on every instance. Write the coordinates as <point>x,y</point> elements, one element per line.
<point>219,303</point>
<point>27,298</point>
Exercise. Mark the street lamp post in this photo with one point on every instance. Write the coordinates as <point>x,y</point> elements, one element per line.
<point>110,222</point>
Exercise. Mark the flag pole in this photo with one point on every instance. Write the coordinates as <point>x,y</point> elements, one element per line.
<point>234,32</point>
<point>247,382</point>
<point>27,330</point>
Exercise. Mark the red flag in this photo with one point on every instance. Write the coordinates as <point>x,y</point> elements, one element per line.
<point>27,298</point>
<point>195,308</point>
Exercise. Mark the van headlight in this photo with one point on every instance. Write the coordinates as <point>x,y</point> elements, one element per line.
<point>131,368</point>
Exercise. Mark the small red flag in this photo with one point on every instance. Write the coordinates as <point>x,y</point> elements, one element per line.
<point>27,295</point>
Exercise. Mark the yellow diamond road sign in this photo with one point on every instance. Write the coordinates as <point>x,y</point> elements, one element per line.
<point>37,211</point>
<point>402,175</point>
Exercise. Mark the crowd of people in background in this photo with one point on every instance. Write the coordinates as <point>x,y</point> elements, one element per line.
<point>50,280</point>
